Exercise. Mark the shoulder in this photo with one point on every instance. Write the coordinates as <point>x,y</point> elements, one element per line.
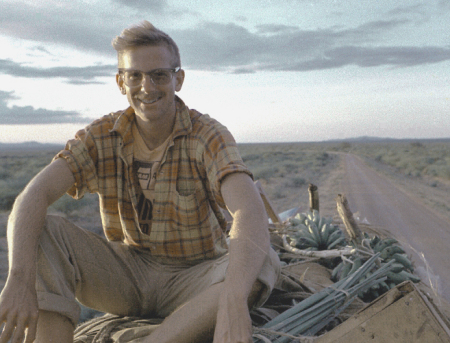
<point>101,127</point>
<point>207,129</point>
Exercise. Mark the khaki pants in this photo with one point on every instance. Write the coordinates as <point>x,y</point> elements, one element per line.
<point>115,278</point>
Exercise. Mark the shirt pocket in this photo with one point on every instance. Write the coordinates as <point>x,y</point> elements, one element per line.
<point>191,211</point>
<point>185,187</point>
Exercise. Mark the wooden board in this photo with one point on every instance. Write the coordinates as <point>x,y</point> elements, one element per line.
<point>401,315</point>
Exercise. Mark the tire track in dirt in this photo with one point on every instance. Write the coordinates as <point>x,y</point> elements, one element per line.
<point>417,227</point>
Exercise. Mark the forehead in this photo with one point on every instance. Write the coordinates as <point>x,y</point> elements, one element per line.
<point>146,58</point>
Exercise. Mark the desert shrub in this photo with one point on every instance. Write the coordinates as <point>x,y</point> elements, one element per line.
<point>4,173</point>
<point>416,158</point>
<point>10,189</point>
<point>298,182</point>
<point>17,169</point>
<point>279,195</point>
<point>291,168</point>
<point>442,171</point>
<point>322,156</point>
<point>251,157</point>
<point>345,146</point>
<point>417,145</point>
<point>67,204</point>
<point>265,172</point>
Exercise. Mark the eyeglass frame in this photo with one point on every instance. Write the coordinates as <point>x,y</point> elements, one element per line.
<point>148,73</point>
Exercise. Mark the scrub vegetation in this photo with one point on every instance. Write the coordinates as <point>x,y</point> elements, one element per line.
<point>284,169</point>
<point>411,158</point>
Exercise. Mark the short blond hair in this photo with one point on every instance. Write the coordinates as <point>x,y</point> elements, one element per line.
<point>145,34</point>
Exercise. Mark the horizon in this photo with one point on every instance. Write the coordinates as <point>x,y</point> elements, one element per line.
<point>361,139</point>
<point>278,72</point>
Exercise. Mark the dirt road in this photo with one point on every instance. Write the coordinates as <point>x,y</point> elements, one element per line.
<point>418,228</point>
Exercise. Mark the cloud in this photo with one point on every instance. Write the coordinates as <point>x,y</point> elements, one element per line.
<point>408,9</point>
<point>371,57</point>
<point>73,75</point>
<point>444,5</point>
<point>275,29</point>
<point>17,115</point>
<point>232,48</point>
<point>227,47</point>
<point>69,24</point>
<point>149,5</point>
<point>87,27</point>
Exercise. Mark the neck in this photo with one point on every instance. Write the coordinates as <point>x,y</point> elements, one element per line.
<point>155,133</point>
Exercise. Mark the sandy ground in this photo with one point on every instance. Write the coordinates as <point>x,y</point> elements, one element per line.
<point>402,209</point>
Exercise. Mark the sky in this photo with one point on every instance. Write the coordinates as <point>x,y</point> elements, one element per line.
<point>269,70</point>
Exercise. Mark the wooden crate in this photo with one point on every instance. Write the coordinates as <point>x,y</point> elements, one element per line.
<point>402,315</point>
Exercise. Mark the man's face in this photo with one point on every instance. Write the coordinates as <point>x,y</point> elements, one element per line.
<point>150,102</point>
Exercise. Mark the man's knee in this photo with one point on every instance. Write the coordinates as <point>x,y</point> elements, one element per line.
<point>54,327</point>
<point>53,222</point>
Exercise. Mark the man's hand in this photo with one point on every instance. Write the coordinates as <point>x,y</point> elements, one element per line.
<point>19,311</point>
<point>233,324</point>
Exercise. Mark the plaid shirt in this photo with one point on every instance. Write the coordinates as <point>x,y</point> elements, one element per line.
<point>187,221</point>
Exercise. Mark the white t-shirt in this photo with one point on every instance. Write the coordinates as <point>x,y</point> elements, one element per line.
<point>145,164</point>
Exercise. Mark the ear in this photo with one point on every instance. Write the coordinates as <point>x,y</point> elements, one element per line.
<point>120,84</point>
<point>179,79</point>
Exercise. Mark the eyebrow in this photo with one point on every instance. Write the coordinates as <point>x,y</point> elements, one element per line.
<point>176,69</point>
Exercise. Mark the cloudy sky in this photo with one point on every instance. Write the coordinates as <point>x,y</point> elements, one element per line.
<point>270,70</point>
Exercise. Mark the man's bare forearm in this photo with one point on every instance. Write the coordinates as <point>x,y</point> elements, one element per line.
<point>24,228</point>
<point>248,250</point>
<point>249,235</point>
<point>28,216</point>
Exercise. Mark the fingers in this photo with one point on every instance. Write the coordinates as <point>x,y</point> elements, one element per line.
<point>19,334</point>
<point>7,332</point>
<point>16,332</point>
<point>31,332</point>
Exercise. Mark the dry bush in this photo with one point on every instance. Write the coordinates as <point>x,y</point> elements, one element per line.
<point>427,158</point>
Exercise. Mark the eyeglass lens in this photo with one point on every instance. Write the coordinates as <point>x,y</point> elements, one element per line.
<point>158,77</point>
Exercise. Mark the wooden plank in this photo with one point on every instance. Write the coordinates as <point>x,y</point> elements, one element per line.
<point>405,321</point>
<point>399,316</point>
<point>353,231</point>
<point>313,197</point>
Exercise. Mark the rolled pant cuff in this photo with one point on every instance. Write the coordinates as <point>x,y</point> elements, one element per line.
<point>63,306</point>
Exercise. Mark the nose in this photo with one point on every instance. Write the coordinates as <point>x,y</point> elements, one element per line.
<point>147,83</point>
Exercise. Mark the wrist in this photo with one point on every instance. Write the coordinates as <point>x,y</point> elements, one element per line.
<point>235,290</point>
<point>24,275</point>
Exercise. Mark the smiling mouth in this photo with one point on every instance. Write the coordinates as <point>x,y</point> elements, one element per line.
<point>149,102</point>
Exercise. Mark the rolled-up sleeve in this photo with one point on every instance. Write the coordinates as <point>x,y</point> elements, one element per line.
<point>81,156</point>
<point>221,158</point>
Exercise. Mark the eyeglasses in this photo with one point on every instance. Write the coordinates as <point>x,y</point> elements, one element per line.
<point>159,77</point>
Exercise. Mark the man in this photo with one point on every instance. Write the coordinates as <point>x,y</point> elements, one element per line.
<point>162,172</point>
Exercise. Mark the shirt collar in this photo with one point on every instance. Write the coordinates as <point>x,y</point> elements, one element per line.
<point>183,124</point>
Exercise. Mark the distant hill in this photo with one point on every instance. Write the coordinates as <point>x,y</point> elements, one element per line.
<point>29,146</point>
